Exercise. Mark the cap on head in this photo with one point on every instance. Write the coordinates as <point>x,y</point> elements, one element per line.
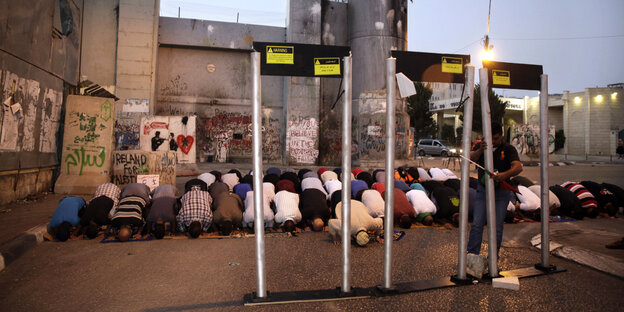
<point>63,231</point>
<point>195,229</point>
<point>362,238</point>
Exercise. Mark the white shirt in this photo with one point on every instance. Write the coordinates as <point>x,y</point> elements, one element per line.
<point>268,189</point>
<point>360,220</point>
<point>421,202</point>
<point>511,207</point>
<point>231,179</point>
<point>313,183</point>
<point>332,185</point>
<point>553,200</point>
<point>328,175</point>
<point>438,175</point>
<point>449,174</point>
<point>248,215</point>
<point>287,207</point>
<point>374,203</point>
<point>528,200</point>
<point>424,176</point>
<point>207,177</point>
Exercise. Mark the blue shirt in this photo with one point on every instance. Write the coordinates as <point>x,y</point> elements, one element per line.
<point>67,210</point>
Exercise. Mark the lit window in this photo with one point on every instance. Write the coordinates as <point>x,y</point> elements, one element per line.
<point>598,98</point>
<point>613,95</point>
<point>577,99</point>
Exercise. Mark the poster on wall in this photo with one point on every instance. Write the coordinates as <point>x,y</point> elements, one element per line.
<point>526,139</point>
<point>170,133</point>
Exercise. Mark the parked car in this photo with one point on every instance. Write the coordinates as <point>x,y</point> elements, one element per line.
<point>436,147</point>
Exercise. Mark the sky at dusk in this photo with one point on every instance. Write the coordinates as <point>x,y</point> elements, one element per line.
<point>580,43</point>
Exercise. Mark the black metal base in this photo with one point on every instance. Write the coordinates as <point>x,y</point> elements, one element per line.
<point>379,291</point>
<point>382,291</point>
<point>308,296</point>
<point>530,272</point>
<point>546,269</point>
<point>462,281</point>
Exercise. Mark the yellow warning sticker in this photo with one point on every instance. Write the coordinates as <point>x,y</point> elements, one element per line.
<point>501,77</point>
<point>280,55</point>
<point>453,65</point>
<point>326,66</point>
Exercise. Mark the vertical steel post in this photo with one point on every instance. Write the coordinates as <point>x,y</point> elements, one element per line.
<point>346,178</point>
<point>389,208</point>
<point>489,165</point>
<point>257,170</point>
<point>465,172</point>
<point>544,170</point>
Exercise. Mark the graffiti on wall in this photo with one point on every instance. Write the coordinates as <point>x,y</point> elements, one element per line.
<point>302,138</point>
<point>170,133</point>
<point>87,139</point>
<point>229,134</point>
<point>126,134</point>
<point>127,165</point>
<point>526,139</point>
<point>50,116</point>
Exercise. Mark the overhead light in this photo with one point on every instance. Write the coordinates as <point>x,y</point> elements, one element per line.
<point>486,55</point>
<point>598,98</point>
<point>613,95</point>
<point>577,99</point>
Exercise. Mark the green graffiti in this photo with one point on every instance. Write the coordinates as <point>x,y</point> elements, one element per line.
<point>106,110</point>
<point>79,159</point>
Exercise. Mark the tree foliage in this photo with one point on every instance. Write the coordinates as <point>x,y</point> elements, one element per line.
<point>421,119</point>
<point>497,109</point>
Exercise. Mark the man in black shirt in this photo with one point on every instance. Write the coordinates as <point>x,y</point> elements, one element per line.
<point>506,165</point>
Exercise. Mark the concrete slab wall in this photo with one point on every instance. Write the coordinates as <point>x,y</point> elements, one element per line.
<point>87,144</point>
<point>206,73</point>
<point>126,165</point>
<point>99,41</point>
<point>37,57</point>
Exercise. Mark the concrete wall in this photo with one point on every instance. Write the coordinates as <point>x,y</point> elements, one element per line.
<point>99,42</point>
<point>36,60</point>
<point>204,70</point>
<point>605,115</point>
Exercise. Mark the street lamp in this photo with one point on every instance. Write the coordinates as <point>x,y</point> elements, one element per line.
<point>486,54</point>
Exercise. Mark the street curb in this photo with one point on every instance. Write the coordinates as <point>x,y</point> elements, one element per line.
<point>603,263</point>
<point>15,248</point>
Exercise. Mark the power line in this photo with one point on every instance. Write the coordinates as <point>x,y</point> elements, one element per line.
<point>558,38</point>
<point>468,45</point>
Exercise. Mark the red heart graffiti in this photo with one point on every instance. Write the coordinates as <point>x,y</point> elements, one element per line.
<point>185,143</point>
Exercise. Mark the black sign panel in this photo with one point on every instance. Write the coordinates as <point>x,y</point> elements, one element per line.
<point>431,67</point>
<point>295,59</point>
<point>513,75</point>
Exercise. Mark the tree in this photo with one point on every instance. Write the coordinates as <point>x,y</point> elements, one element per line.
<point>497,109</point>
<point>421,119</point>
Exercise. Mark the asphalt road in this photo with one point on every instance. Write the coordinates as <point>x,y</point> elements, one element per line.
<point>209,274</point>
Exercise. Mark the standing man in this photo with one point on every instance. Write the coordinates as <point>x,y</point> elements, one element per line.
<point>506,165</point>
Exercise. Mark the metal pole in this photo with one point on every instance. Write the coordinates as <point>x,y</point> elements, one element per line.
<point>544,169</point>
<point>257,170</point>
<point>389,209</point>
<point>465,172</point>
<point>346,178</point>
<point>489,165</point>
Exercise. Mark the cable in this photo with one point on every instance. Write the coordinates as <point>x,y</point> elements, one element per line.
<point>468,45</point>
<point>559,38</point>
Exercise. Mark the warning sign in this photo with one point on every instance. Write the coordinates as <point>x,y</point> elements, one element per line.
<point>452,65</point>
<point>501,77</point>
<point>326,66</point>
<point>280,55</point>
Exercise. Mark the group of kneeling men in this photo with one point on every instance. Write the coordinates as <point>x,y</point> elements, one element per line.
<point>224,202</point>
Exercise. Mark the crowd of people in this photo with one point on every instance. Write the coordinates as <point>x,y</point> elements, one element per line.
<point>216,202</point>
